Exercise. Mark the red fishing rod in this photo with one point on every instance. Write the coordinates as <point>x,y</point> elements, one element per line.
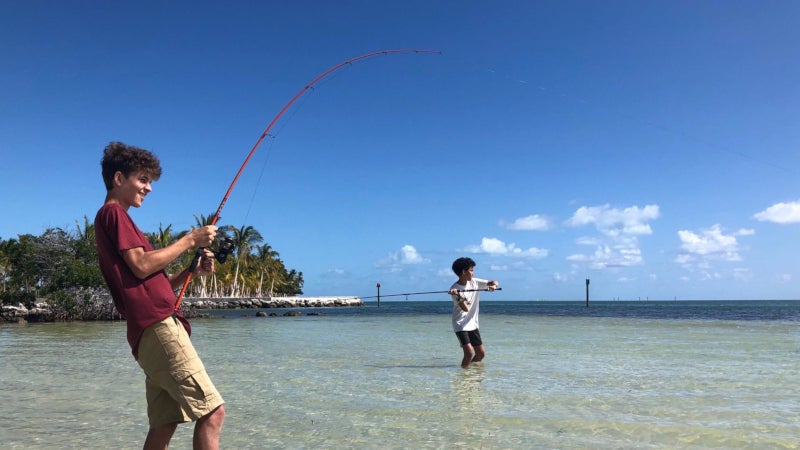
<point>299,94</point>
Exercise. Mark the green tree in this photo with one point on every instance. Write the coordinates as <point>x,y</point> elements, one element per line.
<point>5,265</point>
<point>162,238</point>
<point>63,267</point>
<point>244,239</point>
<point>25,274</point>
<point>266,259</point>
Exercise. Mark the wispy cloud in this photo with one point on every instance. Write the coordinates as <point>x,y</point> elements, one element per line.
<point>494,246</point>
<point>613,222</point>
<point>782,213</point>
<point>709,244</point>
<point>406,255</point>
<point>604,256</point>
<point>534,222</point>
<point>618,244</point>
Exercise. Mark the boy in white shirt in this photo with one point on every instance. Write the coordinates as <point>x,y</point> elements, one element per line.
<point>466,302</point>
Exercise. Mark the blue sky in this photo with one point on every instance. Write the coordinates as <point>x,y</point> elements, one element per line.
<point>649,146</point>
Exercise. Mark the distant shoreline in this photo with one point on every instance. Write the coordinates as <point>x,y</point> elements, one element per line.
<point>272,302</point>
<point>102,308</point>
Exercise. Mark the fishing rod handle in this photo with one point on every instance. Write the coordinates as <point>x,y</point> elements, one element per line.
<point>196,260</point>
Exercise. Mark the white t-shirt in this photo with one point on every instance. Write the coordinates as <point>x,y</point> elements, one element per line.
<point>467,320</point>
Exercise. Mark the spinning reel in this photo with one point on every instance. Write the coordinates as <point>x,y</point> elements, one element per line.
<point>224,248</point>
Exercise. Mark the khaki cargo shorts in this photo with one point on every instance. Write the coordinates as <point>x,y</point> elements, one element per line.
<point>178,387</point>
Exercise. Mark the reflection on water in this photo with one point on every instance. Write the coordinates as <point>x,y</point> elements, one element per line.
<point>468,387</point>
<point>368,381</point>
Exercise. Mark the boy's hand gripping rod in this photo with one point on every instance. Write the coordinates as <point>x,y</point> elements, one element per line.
<point>199,253</point>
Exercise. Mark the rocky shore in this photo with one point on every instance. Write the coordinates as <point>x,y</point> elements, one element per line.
<point>101,307</point>
<point>272,302</point>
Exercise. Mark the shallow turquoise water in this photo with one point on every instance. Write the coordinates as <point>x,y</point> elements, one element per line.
<point>363,379</point>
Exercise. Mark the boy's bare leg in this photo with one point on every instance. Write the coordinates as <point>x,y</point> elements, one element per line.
<point>480,352</point>
<point>208,428</point>
<point>158,437</point>
<point>469,354</point>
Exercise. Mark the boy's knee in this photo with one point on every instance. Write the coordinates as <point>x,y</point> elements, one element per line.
<point>219,413</point>
<point>215,417</point>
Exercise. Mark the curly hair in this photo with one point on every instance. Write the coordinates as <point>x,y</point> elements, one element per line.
<point>462,264</point>
<point>119,157</point>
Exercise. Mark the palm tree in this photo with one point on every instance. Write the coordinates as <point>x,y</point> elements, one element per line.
<point>162,238</point>
<point>203,220</point>
<point>244,240</point>
<point>266,258</point>
<point>5,263</point>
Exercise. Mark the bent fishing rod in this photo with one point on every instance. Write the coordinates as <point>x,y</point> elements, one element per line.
<point>199,253</point>
<point>434,292</point>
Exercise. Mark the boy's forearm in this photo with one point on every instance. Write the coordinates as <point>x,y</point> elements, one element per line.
<point>143,264</point>
<point>176,281</point>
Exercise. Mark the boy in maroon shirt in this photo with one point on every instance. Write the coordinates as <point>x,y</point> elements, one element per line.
<point>177,386</point>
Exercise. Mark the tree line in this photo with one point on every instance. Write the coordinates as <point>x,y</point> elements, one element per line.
<point>60,264</point>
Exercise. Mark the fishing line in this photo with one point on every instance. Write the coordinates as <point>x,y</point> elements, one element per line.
<point>433,292</point>
<point>200,251</point>
<point>274,136</point>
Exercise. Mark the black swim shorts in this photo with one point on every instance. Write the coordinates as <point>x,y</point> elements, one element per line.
<point>469,337</point>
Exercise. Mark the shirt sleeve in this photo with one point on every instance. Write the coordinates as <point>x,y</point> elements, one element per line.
<point>124,231</point>
<point>482,284</point>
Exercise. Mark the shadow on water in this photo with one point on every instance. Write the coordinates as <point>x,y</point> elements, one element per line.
<point>411,366</point>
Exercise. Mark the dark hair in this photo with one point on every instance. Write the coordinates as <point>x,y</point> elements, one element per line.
<point>119,157</point>
<point>462,264</point>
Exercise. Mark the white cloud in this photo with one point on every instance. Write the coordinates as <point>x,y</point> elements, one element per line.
<point>406,255</point>
<point>631,221</point>
<point>710,244</point>
<point>782,213</point>
<point>606,256</point>
<point>495,246</point>
<point>533,222</point>
<point>618,244</point>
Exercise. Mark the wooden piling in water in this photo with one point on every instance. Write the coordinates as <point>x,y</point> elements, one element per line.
<point>587,292</point>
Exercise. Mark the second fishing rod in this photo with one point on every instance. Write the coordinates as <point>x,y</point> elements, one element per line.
<point>432,292</point>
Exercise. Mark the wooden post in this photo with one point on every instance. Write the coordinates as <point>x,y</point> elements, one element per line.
<point>379,295</point>
<point>587,292</point>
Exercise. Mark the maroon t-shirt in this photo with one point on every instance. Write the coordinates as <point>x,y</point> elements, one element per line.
<point>141,302</point>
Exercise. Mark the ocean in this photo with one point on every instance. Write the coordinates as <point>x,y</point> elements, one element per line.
<point>558,375</point>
